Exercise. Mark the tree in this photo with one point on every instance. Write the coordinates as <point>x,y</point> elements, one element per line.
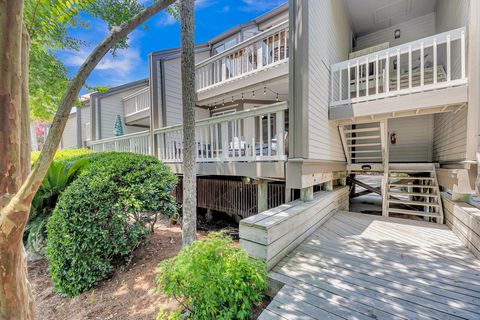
<point>189,225</point>
<point>117,126</point>
<point>17,185</point>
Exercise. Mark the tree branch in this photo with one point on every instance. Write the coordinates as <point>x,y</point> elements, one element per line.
<point>22,200</point>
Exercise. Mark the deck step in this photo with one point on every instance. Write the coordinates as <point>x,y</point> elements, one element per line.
<point>413,203</point>
<point>363,130</point>
<point>410,185</point>
<point>410,171</point>
<point>367,151</point>
<point>366,158</point>
<point>363,138</point>
<point>364,145</point>
<point>413,194</point>
<point>414,212</point>
<point>412,178</point>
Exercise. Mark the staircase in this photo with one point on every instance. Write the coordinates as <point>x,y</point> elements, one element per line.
<point>363,142</point>
<point>412,189</point>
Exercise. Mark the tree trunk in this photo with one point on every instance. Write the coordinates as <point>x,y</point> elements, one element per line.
<point>17,185</point>
<point>189,225</point>
<point>16,300</point>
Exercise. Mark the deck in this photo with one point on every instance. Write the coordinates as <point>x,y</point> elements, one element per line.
<point>358,266</point>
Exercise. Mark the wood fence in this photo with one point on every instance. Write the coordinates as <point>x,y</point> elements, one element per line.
<point>233,197</point>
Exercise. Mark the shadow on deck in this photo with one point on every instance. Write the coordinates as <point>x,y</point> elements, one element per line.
<point>358,266</point>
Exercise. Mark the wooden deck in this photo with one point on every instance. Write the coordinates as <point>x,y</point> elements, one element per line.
<point>358,266</point>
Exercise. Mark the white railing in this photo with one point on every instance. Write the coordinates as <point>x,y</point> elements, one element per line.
<point>251,135</point>
<point>262,51</point>
<point>137,101</point>
<point>427,64</point>
<point>138,142</point>
<point>88,131</point>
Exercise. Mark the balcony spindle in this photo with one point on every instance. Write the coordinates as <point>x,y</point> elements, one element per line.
<point>409,67</point>
<point>357,78</point>
<point>269,135</point>
<point>280,118</point>
<point>367,74</point>
<point>462,54</point>
<point>398,69</point>
<point>387,73</point>
<point>435,61</point>
<point>376,74</point>
<point>422,65</point>
<point>449,67</point>
<point>260,128</point>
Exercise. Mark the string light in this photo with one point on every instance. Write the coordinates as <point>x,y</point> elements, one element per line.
<point>215,104</point>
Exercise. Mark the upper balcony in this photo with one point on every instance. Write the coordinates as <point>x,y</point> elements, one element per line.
<point>263,57</point>
<point>414,77</point>
<point>137,107</point>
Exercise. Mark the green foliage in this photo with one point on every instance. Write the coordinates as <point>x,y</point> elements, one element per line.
<point>59,175</point>
<point>63,154</point>
<point>103,216</point>
<point>214,279</point>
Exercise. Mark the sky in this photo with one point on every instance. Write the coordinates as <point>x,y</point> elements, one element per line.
<point>212,17</point>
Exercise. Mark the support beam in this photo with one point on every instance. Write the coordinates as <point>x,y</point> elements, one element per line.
<point>262,196</point>
<point>306,194</point>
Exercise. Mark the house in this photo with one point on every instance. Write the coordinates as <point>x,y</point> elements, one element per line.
<point>315,93</point>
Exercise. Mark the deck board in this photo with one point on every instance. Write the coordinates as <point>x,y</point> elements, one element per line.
<point>358,266</point>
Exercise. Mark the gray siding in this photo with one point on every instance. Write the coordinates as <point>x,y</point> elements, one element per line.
<point>329,42</point>
<point>110,106</point>
<point>414,139</point>
<point>173,88</point>
<point>410,30</point>
<point>69,137</point>
<point>450,136</point>
<point>86,118</point>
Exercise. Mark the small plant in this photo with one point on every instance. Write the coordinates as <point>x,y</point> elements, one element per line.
<point>103,216</point>
<point>59,176</point>
<point>63,154</point>
<point>214,279</point>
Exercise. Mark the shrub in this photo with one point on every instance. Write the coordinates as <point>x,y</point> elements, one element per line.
<point>214,279</point>
<point>103,216</point>
<point>62,154</point>
<point>59,176</point>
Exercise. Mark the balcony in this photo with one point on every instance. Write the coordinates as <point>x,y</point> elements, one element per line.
<point>260,58</point>
<point>137,107</point>
<point>253,135</point>
<point>421,75</point>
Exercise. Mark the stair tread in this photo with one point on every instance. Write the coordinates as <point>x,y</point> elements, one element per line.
<point>413,203</point>
<point>364,145</point>
<point>412,178</point>
<point>410,185</point>
<point>365,158</point>
<point>363,130</point>
<point>414,212</point>
<point>410,170</point>
<point>415,194</point>
<point>366,151</point>
<point>363,138</point>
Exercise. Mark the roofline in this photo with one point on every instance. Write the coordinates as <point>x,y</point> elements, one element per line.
<point>120,88</point>
<point>256,21</point>
<point>176,51</point>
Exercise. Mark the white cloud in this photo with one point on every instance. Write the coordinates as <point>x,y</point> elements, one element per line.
<point>123,63</point>
<point>262,5</point>
<point>166,20</point>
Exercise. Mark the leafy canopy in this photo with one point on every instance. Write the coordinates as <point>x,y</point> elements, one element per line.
<point>48,22</point>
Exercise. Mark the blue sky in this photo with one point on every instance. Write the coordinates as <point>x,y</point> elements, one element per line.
<point>163,32</point>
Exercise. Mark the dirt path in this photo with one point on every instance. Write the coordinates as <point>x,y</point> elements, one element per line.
<point>129,294</point>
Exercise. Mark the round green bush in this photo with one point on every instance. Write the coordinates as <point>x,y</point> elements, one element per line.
<point>214,279</point>
<point>103,216</point>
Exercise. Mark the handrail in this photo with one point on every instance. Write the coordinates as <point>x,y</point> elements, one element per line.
<point>404,48</point>
<point>136,93</point>
<point>122,137</point>
<point>283,105</point>
<point>242,44</point>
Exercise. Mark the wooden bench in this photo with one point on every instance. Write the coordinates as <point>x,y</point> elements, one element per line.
<point>272,234</point>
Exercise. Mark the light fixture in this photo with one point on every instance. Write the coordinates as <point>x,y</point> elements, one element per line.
<point>277,96</point>
<point>396,34</point>
<point>242,96</point>
<point>232,98</point>
<point>264,90</point>
<point>223,102</point>
<point>253,93</point>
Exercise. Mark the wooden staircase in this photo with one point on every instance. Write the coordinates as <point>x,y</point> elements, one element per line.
<point>412,189</point>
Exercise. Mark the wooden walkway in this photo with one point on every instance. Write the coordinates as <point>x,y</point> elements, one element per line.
<point>357,266</point>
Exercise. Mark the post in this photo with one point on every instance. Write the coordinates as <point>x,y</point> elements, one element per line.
<point>306,194</point>
<point>262,196</point>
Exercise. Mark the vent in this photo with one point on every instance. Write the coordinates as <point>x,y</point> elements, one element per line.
<point>396,9</point>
